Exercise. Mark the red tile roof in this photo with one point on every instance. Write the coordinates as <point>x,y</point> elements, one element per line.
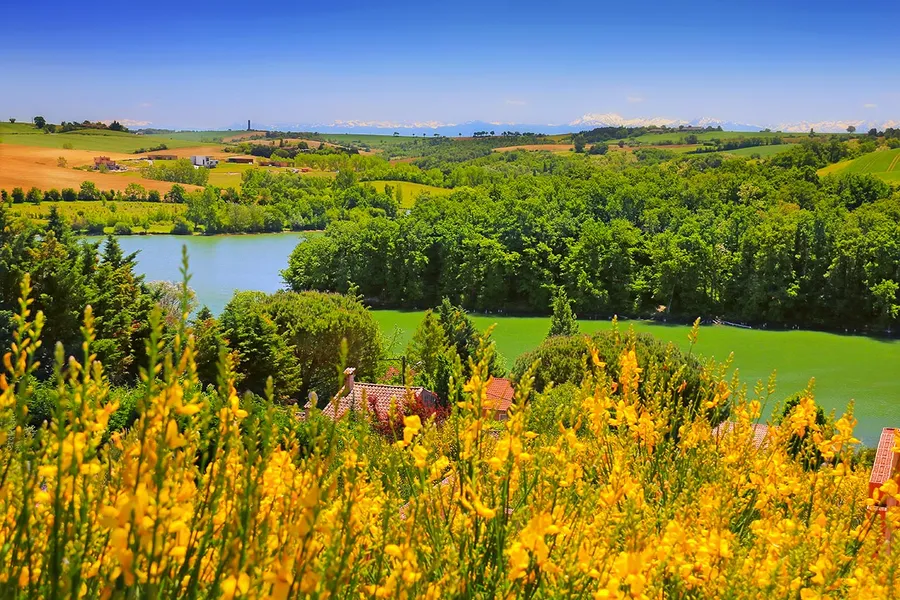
<point>886,460</point>
<point>378,398</point>
<point>760,431</point>
<point>501,392</point>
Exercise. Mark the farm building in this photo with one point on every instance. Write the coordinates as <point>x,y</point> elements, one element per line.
<point>204,161</point>
<point>246,160</point>
<point>104,161</point>
<point>500,394</point>
<point>375,398</point>
<point>162,157</point>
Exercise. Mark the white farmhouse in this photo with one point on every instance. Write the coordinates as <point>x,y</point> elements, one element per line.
<point>204,161</point>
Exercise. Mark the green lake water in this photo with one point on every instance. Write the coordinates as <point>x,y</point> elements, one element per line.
<point>865,370</point>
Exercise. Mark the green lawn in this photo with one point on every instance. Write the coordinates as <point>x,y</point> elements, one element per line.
<point>844,367</point>
<point>410,191</point>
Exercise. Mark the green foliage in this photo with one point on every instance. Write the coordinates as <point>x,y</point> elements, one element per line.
<point>429,351</point>
<point>68,275</point>
<point>297,338</point>
<point>179,171</point>
<point>562,319</point>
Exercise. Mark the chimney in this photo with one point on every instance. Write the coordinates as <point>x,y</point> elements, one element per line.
<point>349,373</point>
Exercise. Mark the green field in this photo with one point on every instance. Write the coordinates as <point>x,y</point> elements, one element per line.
<point>160,217</point>
<point>410,191</point>
<point>101,140</point>
<point>763,151</point>
<point>706,136</point>
<point>884,164</point>
<point>844,367</point>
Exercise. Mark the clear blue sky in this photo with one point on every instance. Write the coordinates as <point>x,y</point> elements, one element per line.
<point>208,64</point>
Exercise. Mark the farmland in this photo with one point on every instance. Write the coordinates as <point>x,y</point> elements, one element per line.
<point>97,140</point>
<point>884,164</point>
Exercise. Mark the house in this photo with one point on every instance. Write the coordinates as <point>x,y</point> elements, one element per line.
<point>375,398</point>
<point>244,160</point>
<point>161,157</point>
<point>886,465</point>
<point>104,161</point>
<point>204,161</point>
<point>500,395</point>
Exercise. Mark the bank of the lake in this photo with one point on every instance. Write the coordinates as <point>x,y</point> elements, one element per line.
<point>845,368</point>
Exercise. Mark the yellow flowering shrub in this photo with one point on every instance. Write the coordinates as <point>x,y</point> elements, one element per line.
<point>636,498</point>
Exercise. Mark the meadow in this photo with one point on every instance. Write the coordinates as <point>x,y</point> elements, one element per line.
<point>845,367</point>
<point>410,191</point>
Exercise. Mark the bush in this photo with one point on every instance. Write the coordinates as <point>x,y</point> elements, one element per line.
<point>69,195</point>
<point>182,227</point>
<point>121,228</point>
<point>52,195</point>
<point>18,195</point>
<point>34,196</point>
<point>606,506</point>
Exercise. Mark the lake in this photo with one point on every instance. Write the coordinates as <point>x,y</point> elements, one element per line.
<point>845,367</point>
<point>219,264</point>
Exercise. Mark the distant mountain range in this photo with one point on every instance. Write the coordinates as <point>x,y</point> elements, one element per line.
<point>588,121</point>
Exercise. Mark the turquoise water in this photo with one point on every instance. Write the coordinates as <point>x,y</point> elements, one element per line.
<point>865,370</point>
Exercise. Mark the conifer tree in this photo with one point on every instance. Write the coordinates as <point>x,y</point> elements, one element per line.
<point>562,322</point>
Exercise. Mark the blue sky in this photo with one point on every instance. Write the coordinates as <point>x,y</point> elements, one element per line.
<point>211,64</point>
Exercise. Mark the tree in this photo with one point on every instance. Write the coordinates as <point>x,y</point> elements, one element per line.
<point>88,191</point>
<point>116,126</point>
<point>578,142</point>
<point>176,194</point>
<point>168,296</point>
<point>851,129</point>
<point>297,338</point>
<point>562,321</point>
<point>153,196</point>
<point>34,196</point>
<point>18,195</point>
<point>39,122</point>
<point>12,119</point>
<point>427,348</point>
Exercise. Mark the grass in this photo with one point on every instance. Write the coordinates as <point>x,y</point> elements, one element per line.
<point>844,367</point>
<point>410,191</point>
<point>884,164</point>
<point>763,151</point>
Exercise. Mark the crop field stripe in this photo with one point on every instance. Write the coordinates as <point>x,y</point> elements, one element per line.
<point>894,162</point>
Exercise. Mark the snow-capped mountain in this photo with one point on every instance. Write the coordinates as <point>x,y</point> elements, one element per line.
<point>861,125</point>
<point>586,121</point>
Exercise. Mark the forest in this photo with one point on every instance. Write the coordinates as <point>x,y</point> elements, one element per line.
<point>767,242</point>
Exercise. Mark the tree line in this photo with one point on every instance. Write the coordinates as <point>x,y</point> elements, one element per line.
<point>764,242</point>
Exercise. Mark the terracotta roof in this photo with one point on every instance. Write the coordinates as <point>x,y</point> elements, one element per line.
<point>500,390</point>
<point>886,460</point>
<point>377,397</point>
<point>760,431</point>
